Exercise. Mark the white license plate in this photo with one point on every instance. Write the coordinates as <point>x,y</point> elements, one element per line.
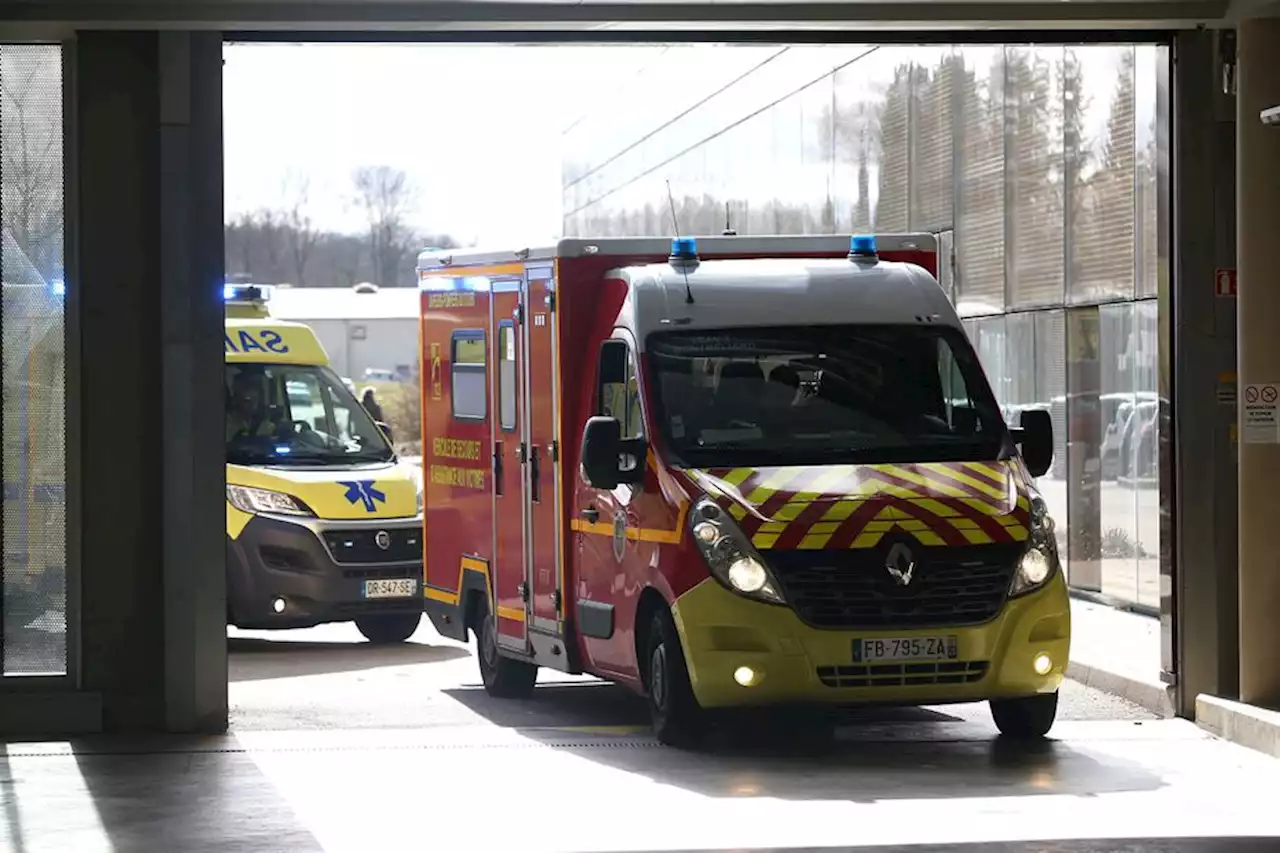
<point>888,649</point>
<point>399,588</point>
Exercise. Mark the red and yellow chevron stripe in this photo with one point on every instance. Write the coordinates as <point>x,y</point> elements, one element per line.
<point>854,506</point>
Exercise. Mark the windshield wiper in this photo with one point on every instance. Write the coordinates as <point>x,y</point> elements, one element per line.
<point>369,456</point>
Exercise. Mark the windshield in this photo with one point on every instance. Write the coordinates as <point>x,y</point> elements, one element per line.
<point>286,414</point>
<point>822,395</point>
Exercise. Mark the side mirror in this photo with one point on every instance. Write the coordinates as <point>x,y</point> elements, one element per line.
<point>1035,437</point>
<point>386,430</point>
<point>601,447</point>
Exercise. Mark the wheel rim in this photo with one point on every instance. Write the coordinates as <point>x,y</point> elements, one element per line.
<point>658,678</point>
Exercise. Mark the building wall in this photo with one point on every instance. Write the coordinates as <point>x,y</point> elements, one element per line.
<point>1042,168</point>
<point>354,345</point>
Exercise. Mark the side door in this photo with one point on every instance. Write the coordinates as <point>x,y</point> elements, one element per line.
<point>510,486</point>
<point>545,507</point>
<point>612,554</point>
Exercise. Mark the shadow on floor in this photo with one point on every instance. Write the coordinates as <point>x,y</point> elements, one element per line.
<point>868,755</point>
<point>569,704</point>
<point>255,659</point>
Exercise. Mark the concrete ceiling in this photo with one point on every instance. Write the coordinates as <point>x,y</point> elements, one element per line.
<point>613,18</point>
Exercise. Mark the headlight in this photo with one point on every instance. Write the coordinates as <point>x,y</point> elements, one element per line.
<point>1040,560</point>
<point>250,500</point>
<point>730,555</point>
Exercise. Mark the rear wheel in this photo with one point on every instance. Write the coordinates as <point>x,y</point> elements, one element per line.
<point>503,677</point>
<point>1028,718</point>
<point>678,719</point>
<point>392,628</point>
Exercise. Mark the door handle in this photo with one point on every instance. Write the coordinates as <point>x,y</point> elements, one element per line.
<point>497,468</point>
<point>591,515</point>
<point>535,491</point>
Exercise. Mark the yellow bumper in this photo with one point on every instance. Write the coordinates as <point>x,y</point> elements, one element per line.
<point>794,663</point>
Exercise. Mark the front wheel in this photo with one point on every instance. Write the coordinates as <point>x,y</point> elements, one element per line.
<point>1028,718</point>
<point>392,628</point>
<point>503,677</point>
<point>678,719</point>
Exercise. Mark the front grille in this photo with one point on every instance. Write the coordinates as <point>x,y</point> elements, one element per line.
<point>361,546</point>
<point>283,559</point>
<point>853,589</point>
<point>903,674</point>
<point>380,573</point>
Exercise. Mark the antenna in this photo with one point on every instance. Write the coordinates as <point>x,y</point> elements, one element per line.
<point>675,223</point>
<point>728,226</point>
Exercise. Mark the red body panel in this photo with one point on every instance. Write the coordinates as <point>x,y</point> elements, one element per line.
<point>545,503</point>
<point>506,569</point>
<point>457,470</point>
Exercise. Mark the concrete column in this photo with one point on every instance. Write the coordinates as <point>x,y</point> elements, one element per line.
<point>1258,248</point>
<point>148,156</point>
<point>192,333</point>
<point>1199,614</point>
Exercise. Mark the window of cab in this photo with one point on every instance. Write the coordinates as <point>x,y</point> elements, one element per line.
<point>286,414</point>
<point>838,394</point>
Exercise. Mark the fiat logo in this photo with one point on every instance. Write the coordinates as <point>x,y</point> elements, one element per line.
<point>382,539</point>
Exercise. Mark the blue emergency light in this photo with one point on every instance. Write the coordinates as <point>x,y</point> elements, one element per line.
<point>246,292</point>
<point>862,246</point>
<point>58,287</point>
<point>684,249</point>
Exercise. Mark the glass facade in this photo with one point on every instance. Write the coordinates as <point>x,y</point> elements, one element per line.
<point>32,322</point>
<point>1040,167</point>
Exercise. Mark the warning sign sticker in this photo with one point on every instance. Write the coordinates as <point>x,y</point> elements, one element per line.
<point>1260,413</point>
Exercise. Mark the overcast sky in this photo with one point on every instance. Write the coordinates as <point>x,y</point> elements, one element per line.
<point>323,110</point>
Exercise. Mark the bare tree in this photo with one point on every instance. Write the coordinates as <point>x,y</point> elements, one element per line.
<point>31,152</point>
<point>386,196</point>
<point>299,231</point>
<point>258,243</point>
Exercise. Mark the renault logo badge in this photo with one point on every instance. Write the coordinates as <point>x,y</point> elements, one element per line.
<point>900,564</point>
<point>382,539</point>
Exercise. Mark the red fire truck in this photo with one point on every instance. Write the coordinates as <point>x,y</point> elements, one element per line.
<point>730,472</point>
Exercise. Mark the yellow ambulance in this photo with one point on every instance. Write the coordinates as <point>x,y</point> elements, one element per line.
<point>324,522</point>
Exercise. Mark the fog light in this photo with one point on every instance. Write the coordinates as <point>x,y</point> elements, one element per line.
<point>744,675</point>
<point>278,604</point>
<point>1042,664</point>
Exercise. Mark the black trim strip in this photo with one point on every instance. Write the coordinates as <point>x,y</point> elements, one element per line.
<point>780,36</point>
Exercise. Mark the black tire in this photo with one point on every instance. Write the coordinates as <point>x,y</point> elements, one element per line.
<point>1029,718</point>
<point>503,677</point>
<point>678,719</point>
<point>388,629</point>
